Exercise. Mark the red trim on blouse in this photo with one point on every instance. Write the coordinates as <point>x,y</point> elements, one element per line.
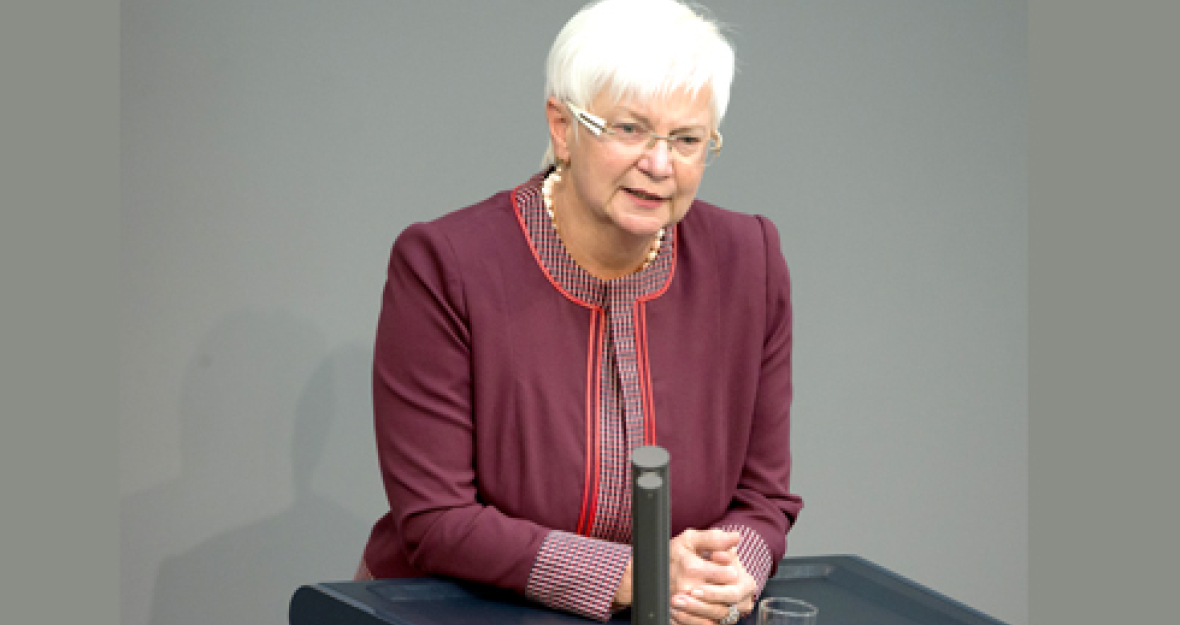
<point>593,364</point>
<point>524,229</point>
<point>649,413</point>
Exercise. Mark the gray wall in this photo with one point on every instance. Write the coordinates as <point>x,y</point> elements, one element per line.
<point>272,150</point>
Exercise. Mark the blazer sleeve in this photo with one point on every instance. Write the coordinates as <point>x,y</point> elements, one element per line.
<point>424,411</point>
<point>763,509</point>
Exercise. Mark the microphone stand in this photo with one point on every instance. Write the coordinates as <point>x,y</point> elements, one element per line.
<point>650,527</point>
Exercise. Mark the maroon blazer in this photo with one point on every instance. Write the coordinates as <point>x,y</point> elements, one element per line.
<point>482,377</point>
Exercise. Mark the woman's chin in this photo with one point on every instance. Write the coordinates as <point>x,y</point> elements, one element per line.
<point>648,230</point>
<point>644,223</point>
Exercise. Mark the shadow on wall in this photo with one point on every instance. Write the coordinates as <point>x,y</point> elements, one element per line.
<point>235,432</point>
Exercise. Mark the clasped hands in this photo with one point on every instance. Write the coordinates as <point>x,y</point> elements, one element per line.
<point>706,578</point>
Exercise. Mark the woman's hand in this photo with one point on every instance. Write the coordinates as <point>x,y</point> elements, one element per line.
<point>707,577</point>
<point>623,597</point>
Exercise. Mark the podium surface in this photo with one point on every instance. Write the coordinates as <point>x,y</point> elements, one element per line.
<point>848,590</point>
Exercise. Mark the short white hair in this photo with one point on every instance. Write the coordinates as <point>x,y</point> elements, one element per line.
<point>639,49</point>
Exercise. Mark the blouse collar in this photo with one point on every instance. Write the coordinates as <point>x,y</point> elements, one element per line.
<point>567,275</point>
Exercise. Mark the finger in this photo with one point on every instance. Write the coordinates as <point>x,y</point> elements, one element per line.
<point>707,541</point>
<point>719,595</point>
<point>692,571</point>
<point>712,540</point>
<point>724,558</point>
<point>689,567</point>
<point>713,614</point>
<point>693,607</point>
<point>722,574</point>
<point>680,617</point>
<point>730,559</point>
<point>745,598</point>
<point>684,617</point>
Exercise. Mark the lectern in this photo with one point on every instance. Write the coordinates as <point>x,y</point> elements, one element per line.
<point>848,590</point>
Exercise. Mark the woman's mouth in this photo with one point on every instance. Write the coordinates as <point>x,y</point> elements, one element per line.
<point>644,195</point>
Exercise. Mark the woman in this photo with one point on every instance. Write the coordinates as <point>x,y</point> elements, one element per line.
<point>528,343</point>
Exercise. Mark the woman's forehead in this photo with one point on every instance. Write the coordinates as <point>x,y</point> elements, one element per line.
<point>681,106</point>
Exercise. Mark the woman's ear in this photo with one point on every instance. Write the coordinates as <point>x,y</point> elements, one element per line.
<point>560,128</point>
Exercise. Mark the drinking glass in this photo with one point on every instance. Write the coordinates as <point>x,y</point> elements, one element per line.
<point>786,611</point>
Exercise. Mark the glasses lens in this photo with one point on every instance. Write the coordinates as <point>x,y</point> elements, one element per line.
<point>711,153</point>
<point>712,148</point>
<point>631,134</point>
<point>689,146</point>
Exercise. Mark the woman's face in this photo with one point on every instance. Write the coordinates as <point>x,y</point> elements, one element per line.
<point>637,194</point>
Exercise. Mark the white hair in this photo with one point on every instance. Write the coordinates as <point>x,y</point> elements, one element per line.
<point>639,49</point>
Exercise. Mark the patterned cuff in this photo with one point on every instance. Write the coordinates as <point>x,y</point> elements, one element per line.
<point>578,574</point>
<point>753,553</point>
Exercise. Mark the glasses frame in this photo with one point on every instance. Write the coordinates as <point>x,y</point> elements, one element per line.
<point>597,125</point>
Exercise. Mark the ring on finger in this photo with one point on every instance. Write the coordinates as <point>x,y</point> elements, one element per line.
<point>731,616</point>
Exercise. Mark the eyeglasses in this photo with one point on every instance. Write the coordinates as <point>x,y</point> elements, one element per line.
<point>693,146</point>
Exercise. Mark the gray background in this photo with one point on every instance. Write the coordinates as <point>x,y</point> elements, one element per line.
<point>272,150</point>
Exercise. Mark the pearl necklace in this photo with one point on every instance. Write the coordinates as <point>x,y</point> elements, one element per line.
<point>547,195</point>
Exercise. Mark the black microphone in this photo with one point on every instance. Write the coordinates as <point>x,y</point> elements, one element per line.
<point>650,527</point>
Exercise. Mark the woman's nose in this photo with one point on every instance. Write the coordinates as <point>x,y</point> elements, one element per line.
<point>657,158</point>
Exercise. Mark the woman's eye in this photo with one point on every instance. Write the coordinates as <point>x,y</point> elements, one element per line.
<point>627,128</point>
<point>689,140</point>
